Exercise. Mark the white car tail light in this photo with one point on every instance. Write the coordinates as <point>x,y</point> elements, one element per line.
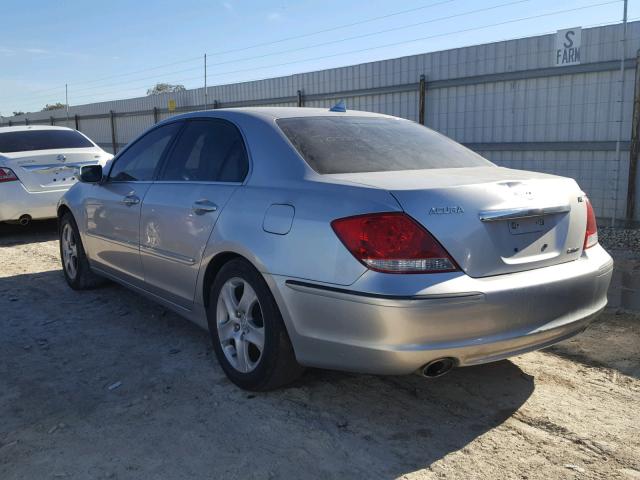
<point>392,243</point>
<point>7,175</point>
<point>591,234</point>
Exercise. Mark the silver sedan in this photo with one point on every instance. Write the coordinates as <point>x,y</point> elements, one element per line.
<point>343,240</point>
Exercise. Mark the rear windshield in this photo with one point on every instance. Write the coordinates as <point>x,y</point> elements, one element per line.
<point>366,144</point>
<point>27,140</point>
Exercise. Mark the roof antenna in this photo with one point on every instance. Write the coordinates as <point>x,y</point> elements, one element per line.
<point>339,107</point>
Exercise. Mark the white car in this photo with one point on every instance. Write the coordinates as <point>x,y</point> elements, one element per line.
<point>38,164</point>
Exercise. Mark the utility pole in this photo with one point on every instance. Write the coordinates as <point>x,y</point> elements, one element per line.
<point>623,45</point>
<point>206,103</point>
<point>66,102</point>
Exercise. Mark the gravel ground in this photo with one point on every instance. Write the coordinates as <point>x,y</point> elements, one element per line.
<point>620,238</point>
<point>105,384</point>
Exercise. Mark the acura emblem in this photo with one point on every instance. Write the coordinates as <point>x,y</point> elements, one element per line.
<point>446,210</point>
<point>61,158</point>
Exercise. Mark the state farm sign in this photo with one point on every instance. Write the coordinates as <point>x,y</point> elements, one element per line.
<point>567,51</point>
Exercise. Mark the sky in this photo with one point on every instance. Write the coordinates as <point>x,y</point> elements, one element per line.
<point>108,50</point>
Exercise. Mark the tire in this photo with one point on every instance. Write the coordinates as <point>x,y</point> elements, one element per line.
<point>75,264</point>
<point>243,314</point>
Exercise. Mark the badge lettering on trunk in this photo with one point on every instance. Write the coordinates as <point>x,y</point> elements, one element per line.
<point>446,210</point>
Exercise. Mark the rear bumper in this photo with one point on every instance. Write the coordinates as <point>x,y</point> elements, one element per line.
<point>395,328</point>
<point>16,201</point>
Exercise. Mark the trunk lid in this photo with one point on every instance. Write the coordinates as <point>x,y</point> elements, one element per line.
<point>491,220</point>
<point>47,170</point>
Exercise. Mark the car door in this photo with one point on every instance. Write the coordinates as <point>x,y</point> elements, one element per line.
<point>208,162</point>
<point>112,208</point>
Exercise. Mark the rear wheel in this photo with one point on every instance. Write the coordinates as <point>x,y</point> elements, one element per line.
<point>248,334</point>
<point>74,260</point>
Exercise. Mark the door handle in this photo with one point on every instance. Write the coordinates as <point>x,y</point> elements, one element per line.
<point>200,207</point>
<point>130,200</point>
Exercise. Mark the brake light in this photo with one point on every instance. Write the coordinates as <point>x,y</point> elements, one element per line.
<point>591,235</point>
<point>7,175</point>
<point>392,243</point>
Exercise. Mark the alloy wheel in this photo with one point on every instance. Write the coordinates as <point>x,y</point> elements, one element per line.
<point>69,251</point>
<point>240,324</point>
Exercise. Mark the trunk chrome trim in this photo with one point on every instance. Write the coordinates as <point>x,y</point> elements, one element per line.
<point>52,168</point>
<point>516,213</point>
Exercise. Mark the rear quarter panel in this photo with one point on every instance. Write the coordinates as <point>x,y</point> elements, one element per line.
<point>310,250</point>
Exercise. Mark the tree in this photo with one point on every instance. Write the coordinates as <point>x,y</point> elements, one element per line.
<point>53,106</point>
<point>165,88</point>
<point>18,113</point>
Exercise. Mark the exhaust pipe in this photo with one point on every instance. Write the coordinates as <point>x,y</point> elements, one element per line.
<point>437,368</point>
<point>24,220</point>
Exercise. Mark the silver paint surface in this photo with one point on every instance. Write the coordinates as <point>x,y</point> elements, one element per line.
<point>515,292</point>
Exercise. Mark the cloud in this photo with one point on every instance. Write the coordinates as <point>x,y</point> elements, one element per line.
<point>274,17</point>
<point>228,6</point>
<point>14,51</point>
<point>7,52</point>
<point>36,50</point>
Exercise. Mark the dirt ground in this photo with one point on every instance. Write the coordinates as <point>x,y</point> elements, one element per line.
<point>105,384</point>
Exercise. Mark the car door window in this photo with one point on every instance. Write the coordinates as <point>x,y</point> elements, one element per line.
<point>207,151</point>
<point>140,160</point>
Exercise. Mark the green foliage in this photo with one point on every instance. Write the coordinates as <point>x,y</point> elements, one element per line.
<point>165,88</point>
<point>53,106</point>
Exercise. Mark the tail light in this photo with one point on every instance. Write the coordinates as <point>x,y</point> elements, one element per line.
<point>392,243</point>
<point>7,175</point>
<point>591,235</point>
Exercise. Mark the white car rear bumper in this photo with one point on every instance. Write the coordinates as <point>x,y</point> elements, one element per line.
<point>16,201</point>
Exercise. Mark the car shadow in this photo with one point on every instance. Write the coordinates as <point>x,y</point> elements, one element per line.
<point>398,425</point>
<point>35,232</point>
<point>61,352</point>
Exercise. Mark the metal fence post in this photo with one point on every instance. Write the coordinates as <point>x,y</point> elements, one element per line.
<point>155,114</point>
<point>77,121</point>
<point>114,146</point>
<point>422,99</point>
<point>634,148</point>
<point>300,100</point>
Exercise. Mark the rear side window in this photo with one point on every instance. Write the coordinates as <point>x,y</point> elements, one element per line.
<point>29,140</point>
<point>368,144</point>
<point>140,160</point>
<point>207,151</point>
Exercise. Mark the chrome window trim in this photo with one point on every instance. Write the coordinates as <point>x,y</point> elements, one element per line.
<point>196,182</point>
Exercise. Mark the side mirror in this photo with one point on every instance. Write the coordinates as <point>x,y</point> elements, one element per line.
<point>91,174</point>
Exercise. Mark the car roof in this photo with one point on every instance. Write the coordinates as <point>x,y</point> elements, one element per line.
<point>273,113</point>
<point>24,128</point>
